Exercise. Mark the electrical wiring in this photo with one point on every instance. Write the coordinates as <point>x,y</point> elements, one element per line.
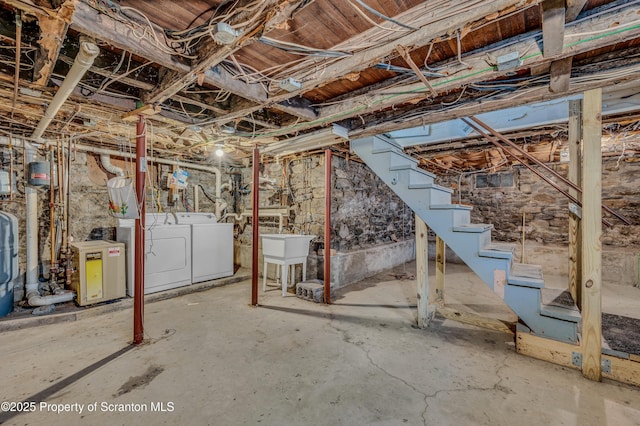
<point>371,21</point>
<point>298,49</point>
<point>380,15</point>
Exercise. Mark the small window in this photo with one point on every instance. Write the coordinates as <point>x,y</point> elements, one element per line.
<point>495,180</point>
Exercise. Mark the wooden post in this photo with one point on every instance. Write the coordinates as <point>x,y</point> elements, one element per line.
<point>591,232</point>
<point>575,176</point>
<point>438,294</point>
<point>422,272</point>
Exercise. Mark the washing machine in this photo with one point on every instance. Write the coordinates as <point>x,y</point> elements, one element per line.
<point>167,252</point>
<point>211,246</point>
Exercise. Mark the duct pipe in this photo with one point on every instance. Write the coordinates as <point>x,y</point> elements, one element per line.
<point>105,160</point>
<point>19,142</point>
<point>87,53</point>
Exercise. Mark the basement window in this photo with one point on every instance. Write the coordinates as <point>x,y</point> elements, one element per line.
<point>494,180</point>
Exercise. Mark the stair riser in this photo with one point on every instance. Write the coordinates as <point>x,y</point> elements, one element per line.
<point>418,177</point>
<point>399,161</point>
<point>525,302</point>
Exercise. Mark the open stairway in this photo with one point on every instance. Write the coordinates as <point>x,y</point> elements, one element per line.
<point>545,312</point>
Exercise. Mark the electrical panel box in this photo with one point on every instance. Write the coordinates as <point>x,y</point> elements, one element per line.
<point>100,273</point>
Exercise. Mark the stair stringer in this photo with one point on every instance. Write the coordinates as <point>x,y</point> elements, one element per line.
<point>379,154</point>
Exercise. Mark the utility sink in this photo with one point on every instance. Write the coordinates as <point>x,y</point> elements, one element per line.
<point>285,250</point>
<point>285,246</point>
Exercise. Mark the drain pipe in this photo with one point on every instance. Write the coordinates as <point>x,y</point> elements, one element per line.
<point>87,53</point>
<point>105,160</point>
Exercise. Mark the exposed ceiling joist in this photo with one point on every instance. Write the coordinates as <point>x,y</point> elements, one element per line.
<point>628,76</point>
<point>89,21</point>
<point>619,22</point>
<point>337,68</point>
<point>210,53</point>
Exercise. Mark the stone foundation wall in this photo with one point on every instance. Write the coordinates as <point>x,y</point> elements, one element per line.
<point>88,214</point>
<point>545,210</point>
<point>365,214</point>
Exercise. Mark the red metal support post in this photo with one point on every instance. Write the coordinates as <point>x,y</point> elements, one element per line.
<point>255,193</point>
<point>141,171</point>
<point>327,226</point>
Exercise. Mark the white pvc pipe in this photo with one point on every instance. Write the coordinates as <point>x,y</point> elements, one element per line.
<point>37,300</point>
<point>84,59</point>
<point>105,159</point>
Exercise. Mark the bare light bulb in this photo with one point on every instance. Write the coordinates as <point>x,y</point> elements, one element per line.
<point>219,152</point>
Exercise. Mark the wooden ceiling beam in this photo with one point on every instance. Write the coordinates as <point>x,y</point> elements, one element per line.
<point>89,21</point>
<point>361,60</point>
<point>540,94</point>
<point>476,70</point>
<point>210,53</point>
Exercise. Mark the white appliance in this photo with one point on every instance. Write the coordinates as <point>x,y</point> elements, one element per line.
<point>167,252</point>
<point>211,246</point>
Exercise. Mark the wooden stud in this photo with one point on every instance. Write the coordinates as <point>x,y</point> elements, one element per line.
<point>574,7</point>
<point>438,289</point>
<point>477,320</point>
<point>422,272</point>
<point>143,110</point>
<point>552,27</point>
<point>404,52</point>
<point>591,233</point>
<point>560,75</point>
<point>575,176</point>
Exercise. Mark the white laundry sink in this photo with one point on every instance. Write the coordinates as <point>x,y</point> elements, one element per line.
<point>286,250</point>
<point>285,246</point>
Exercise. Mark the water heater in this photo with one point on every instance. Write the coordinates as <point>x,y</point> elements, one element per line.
<point>100,273</point>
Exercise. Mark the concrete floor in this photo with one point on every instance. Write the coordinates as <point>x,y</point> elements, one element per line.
<point>212,359</point>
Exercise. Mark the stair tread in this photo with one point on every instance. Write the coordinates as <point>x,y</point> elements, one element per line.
<point>452,207</point>
<point>527,271</point>
<point>558,297</point>
<point>430,186</point>
<point>501,246</point>
<point>498,250</point>
<point>558,303</point>
<point>421,172</point>
<point>411,166</point>
<point>473,227</point>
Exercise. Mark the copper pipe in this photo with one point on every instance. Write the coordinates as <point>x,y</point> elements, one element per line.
<point>10,168</point>
<point>541,164</point>
<point>53,262</point>
<point>138,293</point>
<point>528,166</point>
<point>16,78</point>
<point>255,198</point>
<point>327,226</point>
<point>67,216</point>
